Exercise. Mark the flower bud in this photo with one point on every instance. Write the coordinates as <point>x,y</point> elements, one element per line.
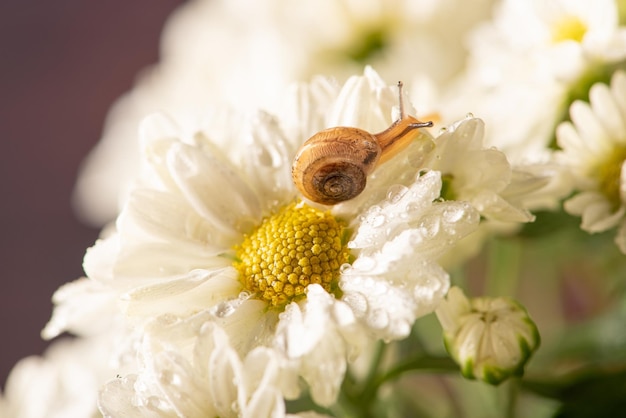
<point>490,338</point>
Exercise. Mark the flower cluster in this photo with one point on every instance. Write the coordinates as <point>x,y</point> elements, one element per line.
<point>221,289</point>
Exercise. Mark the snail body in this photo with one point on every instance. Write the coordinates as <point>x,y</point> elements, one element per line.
<point>332,166</point>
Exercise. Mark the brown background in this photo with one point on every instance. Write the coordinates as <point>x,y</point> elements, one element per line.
<point>62,63</point>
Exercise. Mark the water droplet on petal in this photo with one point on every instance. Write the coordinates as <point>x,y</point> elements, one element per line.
<point>156,404</point>
<point>378,220</point>
<point>244,295</point>
<point>345,268</point>
<point>223,309</point>
<point>357,302</point>
<point>235,406</point>
<point>413,208</point>
<point>396,192</point>
<point>469,115</point>
<point>452,215</point>
<point>430,228</point>
<point>378,319</point>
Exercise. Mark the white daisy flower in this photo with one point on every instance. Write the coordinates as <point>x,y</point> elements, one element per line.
<point>197,373</point>
<point>490,338</point>
<point>226,233</point>
<point>594,150</point>
<point>216,51</point>
<point>563,38</point>
<point>526,65</point>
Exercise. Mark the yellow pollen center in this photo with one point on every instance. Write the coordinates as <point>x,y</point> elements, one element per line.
<point>570,28</point>
<point>291,249</point>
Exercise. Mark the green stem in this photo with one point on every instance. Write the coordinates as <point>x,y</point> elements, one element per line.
<point>512,398</point>
<point>421,362</point>
<point>376,359</point>
<point>503,267</point>
<point>351,400</point>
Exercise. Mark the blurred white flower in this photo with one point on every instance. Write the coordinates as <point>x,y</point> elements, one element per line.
<point>594,150</point>
<point>241,53</point>
<point>490,338</point>
<point>64,382</point>
<point>526,63</point>
<point>215,224</point>
<point>563,38</point>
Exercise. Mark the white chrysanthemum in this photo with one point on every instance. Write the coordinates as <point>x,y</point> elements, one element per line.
<point>188,369</point>
<point>243,53</point>
<point>523,67</point>
<point>562,37</point>
<point>594,150</point>
<point>490,338</point>
<point>217,226</point>
<point>64,382</point>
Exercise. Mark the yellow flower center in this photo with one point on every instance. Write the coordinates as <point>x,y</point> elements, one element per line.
<point>608,174</point>
<point>291,249</point>
<point>569,28</point>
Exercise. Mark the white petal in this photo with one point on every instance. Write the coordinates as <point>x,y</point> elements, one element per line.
<point>167,217</point>
<point>618,89</point>
<point>568,138</point>
<point>265,402</point>
<point>576,205</point>
<point>83,307</point>
<point>589,128</point>
<point>114,400</point>
<point>185,295</point>
<point>158,259</point>
<point>450,311</point>
<point>181,385</point>
<point>225,379</point>
<point>214,190</point>
<point>597,214</point>
<point>390,303</point>
<point>607,110</point>
<point>266,161</point>
<point>364,102</point>
<point>247,322</point>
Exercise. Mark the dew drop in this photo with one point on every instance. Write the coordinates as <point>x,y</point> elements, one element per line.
<point>396,192</point>
<point>244,295</point>
<point>223,309</point>
<point>171,378</point>
<point>451,215</point>
<point>373,210</point>
<point>430,228</point>
<point>357,302</point>
<point>413,207</point>
<point>378,220</point>
<point>378,319</point>
<point>156,404</point>
<point>469,115</point>
<point>235,408</point>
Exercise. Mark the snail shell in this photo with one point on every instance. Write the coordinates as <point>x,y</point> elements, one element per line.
<point>332,166</point>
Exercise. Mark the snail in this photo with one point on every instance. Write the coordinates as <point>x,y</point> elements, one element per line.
<point>332,166</point>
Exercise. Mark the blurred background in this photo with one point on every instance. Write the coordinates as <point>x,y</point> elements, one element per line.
<point>62,64</point>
